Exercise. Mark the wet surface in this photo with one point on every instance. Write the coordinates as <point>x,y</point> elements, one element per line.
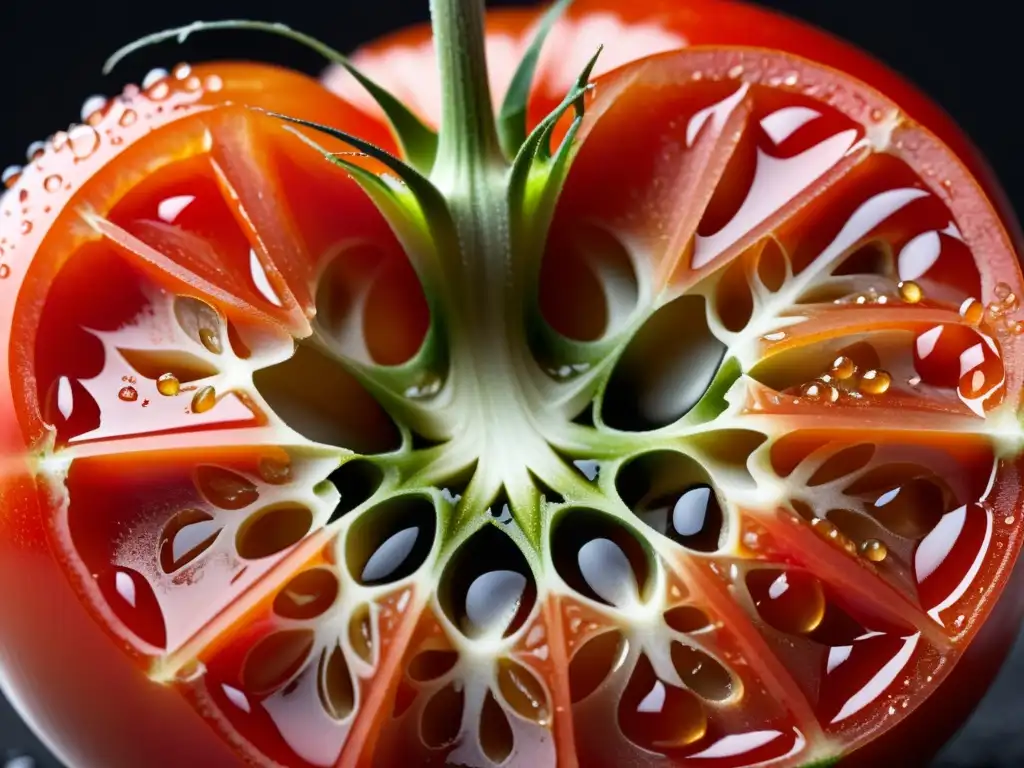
<point>992,738</point>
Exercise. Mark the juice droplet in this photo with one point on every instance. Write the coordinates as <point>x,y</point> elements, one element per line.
<point>26,227</point>
<point>182,71</point>
<point>275,471</point>
<point>214,83</point>
<point>812,391</point>
<point>972,311</point>
<point>83,140</point>
<point>910,291</point>
<point>128,394</point>
<point>92,108</point>
<point>10,175</point>
<point>52,182</point>
<point>211,340</point>
<point>875,382</point>
<point>159,91</point>
<point>128,117</point>
<point>35,150</point>
<point>791,601</point>
<point>843,367</point>
<point>168,385</point>
<point>204,399</point>
<point>874,550</point>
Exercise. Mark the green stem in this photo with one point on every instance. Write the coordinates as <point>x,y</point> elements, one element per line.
<point>469,136</point>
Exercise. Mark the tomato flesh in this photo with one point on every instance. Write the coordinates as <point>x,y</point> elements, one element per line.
<point>802,550</point>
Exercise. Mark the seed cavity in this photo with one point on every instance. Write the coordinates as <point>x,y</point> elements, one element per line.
<point>272,530</point>
<point>664,373</point>
<point>391,540</point>
<point>188,534</point>
<point>487,590</point>
<point>593,662</point>
<point>337,692</point>
<point>523,691</point>
<point>495,731</point>
<point>307,595</point>
<point>600,558</point>
<point>275,660</point>
<point>224,488</point>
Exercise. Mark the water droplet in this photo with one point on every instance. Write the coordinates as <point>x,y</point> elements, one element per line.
<point>153,77</point>
<point>1002,291</point>
<point>83,141</point>
<point>26,227</point>
<point>193,84</point>
<point>52,182</point>
<point>128,117</point>
<point>875,382</point>
<point>874,550</point>
<point>275,471</point>
<point>10,175</point>
<point>214,83</point>
<point>159,91</point>
<point>128,394</point>
<point>35,150</point>
<point>843,367</point>
<point>168,385</point>
<point>204,399</point>
<point>791,601</point>
<point>910,291</point>
<point>211,340</point>
<point>5,271</point>
<point>93,107</point>
<point>736,71</point>
<point>181,71</point>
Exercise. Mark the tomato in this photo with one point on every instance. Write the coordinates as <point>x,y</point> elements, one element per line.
<point>708,452</point>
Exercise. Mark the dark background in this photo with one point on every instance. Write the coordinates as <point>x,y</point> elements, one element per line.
<point>965,55</point>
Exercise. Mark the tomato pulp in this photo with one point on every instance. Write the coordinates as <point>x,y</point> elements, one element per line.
<point>709,457</point>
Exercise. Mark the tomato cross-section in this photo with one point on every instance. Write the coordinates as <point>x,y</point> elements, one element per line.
<point>710,456</point>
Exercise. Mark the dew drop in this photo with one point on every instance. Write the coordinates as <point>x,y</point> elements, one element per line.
<point>182,71</point>
<point>875,382</point>
<point>128,117</point>
<point>52,182</point>
<point>83,141</point>
<point>10,175</point>
<point>910,291</point>
<point>211,340</point>
<point>35,150</point>
<point>843,367</point>
<point>153,77</point>
<point>972,311</point>
<point>204,399</point>
<point>26,227</point>
<point>874,550</point>
<point>791,601</point>
<point>159,91</point>
<point>128,394</point>
<point>214,83</point>
<point>92,107</point>
<point>168,385</point>
<point>275,471</point>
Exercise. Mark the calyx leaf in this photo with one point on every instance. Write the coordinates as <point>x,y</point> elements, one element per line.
<point>417,141</point>
<point>512,117</point>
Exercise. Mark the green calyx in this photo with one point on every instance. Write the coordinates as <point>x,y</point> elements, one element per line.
<point>471,205</point>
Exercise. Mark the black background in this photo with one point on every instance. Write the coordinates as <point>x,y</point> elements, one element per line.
<point>965,55</point>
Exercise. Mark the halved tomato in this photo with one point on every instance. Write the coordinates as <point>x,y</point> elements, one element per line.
<point>723,470</point>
